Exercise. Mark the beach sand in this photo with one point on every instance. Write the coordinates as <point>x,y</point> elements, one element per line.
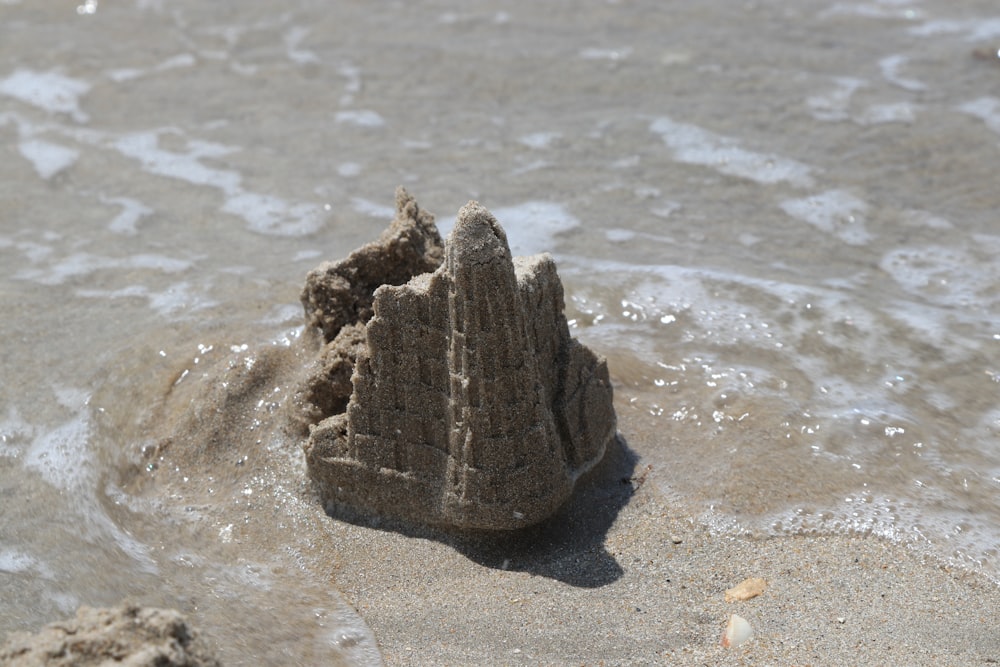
<point>625,573</point>
<point>624,578</point>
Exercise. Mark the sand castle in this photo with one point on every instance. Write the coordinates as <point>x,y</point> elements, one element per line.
<point>449,390</point>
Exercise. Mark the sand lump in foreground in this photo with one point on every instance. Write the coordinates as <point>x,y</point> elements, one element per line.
<point>125,635</point>
<point>435,383</point>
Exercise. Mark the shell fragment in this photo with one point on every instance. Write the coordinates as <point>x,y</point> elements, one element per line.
<point>738,630</point>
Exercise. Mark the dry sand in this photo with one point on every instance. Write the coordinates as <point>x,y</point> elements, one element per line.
<point>623,578</point>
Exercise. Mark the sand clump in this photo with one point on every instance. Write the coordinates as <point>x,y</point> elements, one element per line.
<point>340,293</point>
<point>470,405</point>
<point>125,635</point>
<point>338,298</point>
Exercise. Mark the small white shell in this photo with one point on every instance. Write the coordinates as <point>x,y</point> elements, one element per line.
<point>738,630</point>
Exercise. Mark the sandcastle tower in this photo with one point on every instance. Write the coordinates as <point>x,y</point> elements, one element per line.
<point>471,405</point>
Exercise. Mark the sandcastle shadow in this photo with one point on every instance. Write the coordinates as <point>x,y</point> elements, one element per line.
<point>567,547</point>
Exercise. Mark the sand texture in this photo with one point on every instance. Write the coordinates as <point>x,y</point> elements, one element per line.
<point>340,293</point>
<point>126,635</point>
<point>472,406</point>
<point>624,577</point>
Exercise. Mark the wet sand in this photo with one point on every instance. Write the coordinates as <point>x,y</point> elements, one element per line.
<point>623,578</point>
<point>624,574</point>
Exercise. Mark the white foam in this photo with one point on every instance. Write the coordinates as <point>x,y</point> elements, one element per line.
<point>132,212</point>
<point>890,66</point>
<point>293,38</point>
<point>124,292</point>
<point>534,165</point>
<point>14,432</point>
<point>82,263</point>
<point>272,215</point>
<point>663,293</point>
<point>539,140</point>
<point>34,252</point>
<point>834,104</point>
<point>619,235</point>
<point>923,323</point>
<point>14,561</point>
<point>47,158</point>
<point>606,54</point>
<point>360,117</point>
<point>947,276</point>
<point>917,269</point>
<point>976,30</point>
<point>144,147</point>
<point>693,145</point>
<point>926,219</point>
<point>532,227</point>
<point>177,297</point>
<point>309,254</point>
<point>353,85</point>
<point>986,109</point>
<point>987,242</point>
<point>71,398</point>
<point>835,212</point>
<point>61,455</point>
<point>174,62</point>
<point>894,112</point>
<point>281,313</point>
<point>626,162</point>
<point>876,10</point>
<point>51,91</point>
<point>375,210</point>
<point>264,213</point>
<point>666,209</point>
<point>130,73</point>
<point>123,74</point>
<point>349,169</point>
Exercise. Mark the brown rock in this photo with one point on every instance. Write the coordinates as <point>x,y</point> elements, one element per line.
<point>126,635</point>
<point>471,406</point>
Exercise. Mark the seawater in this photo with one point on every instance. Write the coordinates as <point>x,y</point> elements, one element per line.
<point>777,220</point>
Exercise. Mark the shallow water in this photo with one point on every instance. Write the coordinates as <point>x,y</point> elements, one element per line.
<point>777,220</point>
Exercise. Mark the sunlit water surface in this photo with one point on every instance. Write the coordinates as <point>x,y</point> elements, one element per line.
<point>777,220</point>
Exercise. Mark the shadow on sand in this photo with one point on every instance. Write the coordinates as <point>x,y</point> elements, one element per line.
<point>568,547</point>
